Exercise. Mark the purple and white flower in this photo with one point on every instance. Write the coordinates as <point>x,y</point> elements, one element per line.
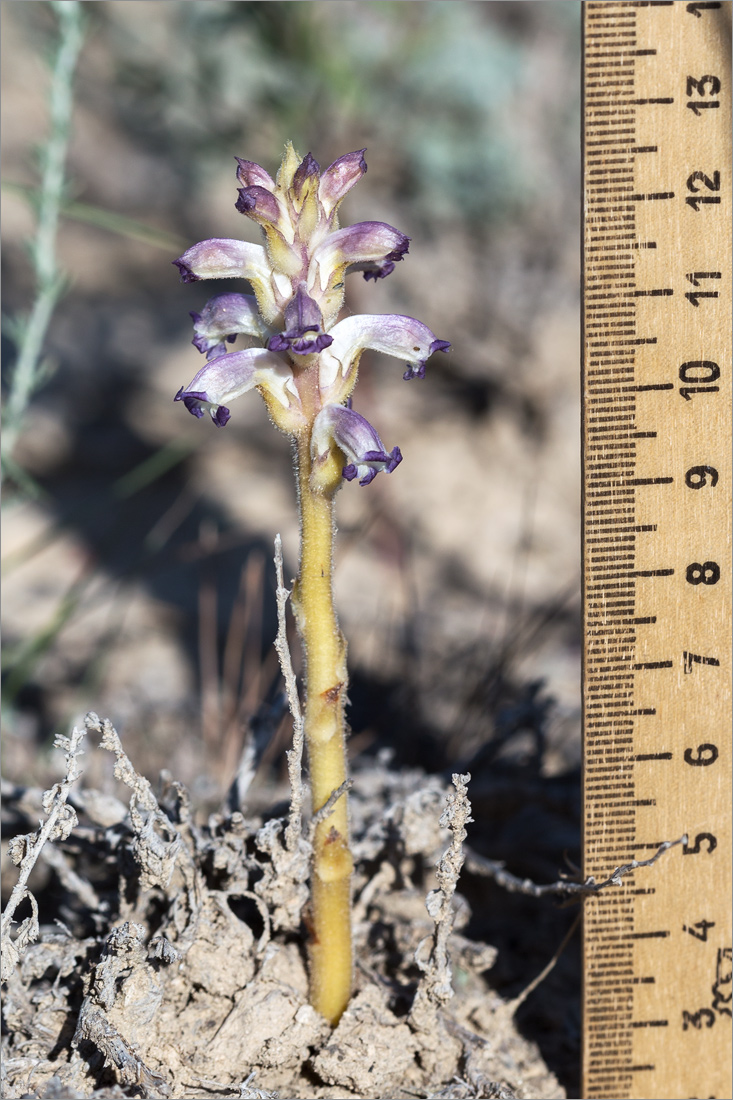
<point>338,179</point>
<point>229,376</point>
<point>371,247</point>
<point>222,319</point>
<point>220,258</point>
<point>303,333</point>
<point>356,439</point>
<point>390,333</point>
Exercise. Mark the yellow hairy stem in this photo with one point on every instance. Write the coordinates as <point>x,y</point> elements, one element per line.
<point>326,680</point>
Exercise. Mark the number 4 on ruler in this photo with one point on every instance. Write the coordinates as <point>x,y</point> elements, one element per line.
<point>691,659</point>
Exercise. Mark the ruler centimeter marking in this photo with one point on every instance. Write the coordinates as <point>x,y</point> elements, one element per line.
<point>656,546</point>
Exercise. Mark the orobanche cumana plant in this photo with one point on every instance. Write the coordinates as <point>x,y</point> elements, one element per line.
<point>304,362</point>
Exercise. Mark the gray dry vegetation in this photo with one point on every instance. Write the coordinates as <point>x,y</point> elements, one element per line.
<point>179,969</point>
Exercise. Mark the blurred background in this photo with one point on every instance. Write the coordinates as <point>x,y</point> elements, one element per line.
<point>138,542</point>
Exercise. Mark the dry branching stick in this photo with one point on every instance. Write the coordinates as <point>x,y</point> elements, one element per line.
<point>494,869</point>
<point>245,1090</point>
<point>25,850</point>
<point>158,845</point>
<point>576,890</point>
<point>321,815</point>
<point>294,755</point>
<point>435,985</point>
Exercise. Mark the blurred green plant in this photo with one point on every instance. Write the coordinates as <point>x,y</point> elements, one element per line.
<point>444,85</point>
<point>29,333</point>
<point>50,203</point>
<point>110,220</point>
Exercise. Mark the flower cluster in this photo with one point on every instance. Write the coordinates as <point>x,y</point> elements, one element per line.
<point>301,358</point>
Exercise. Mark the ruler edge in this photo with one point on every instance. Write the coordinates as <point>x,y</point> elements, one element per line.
<point>583,501</point>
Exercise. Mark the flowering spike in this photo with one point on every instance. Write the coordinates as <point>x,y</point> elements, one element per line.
<point>304,363</point>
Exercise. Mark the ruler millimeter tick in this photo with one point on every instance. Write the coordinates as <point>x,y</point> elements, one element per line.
<point>656,546</point>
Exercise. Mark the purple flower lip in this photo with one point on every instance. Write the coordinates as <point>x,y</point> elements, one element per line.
<point>398,253</point>
<point>376,271</point>
<point>187,276</point>
<point>207,347</point>
<point>417,370</point>
<point>388,462</point>
<point>296,341</point>
<point>258,203</point>
<point>380,269</point>
<point>205,344</point>
<point>193,400</point>
<point>302,316</point>
<point>246,200</point>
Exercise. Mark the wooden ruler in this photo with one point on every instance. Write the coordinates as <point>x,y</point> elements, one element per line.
<point>657,561</point>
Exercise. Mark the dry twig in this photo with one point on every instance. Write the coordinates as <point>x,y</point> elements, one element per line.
<point>247,1090</point>
<point>328,806</point>
<point>158,846</point>
<point>435,985</point>
<point>494,869</point>
<point>25,850</point>
<point>516,1002</point>
<point>294,755</point>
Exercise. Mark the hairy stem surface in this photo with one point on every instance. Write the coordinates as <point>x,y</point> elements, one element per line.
<point>326,680</point>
